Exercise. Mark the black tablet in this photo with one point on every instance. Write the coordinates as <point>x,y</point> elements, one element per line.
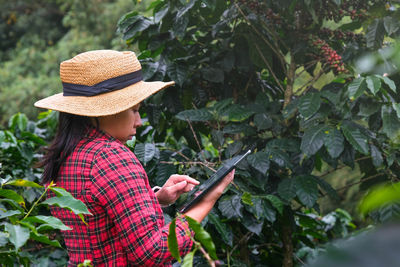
<point>201,190</point>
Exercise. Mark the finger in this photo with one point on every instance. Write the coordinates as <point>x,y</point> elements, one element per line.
<point>191,180</point>
<point>179,186</point>
<point>229,177</point>
<point>188,187</point>
<point>176,178</point>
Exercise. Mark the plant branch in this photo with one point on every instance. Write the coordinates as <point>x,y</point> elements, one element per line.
<point>208,258</point>
<point>302,262</point>
<point>191,163</point>
<point>37,201</point>
<point>307,66</point>
<point>197,141</point>
<point>246,237</point>
<point>342,166</point>
<point>269,67</point>
<point>356,183</point>
<point>274,49</point>
<point>312,81</point>
<point>290,78</point>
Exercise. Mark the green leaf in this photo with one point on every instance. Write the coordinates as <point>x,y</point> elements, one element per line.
<point>390,123</point>
<point>376,155</point>
<point>246,199</point>
<point>25,183</point>
<point>287,189</point>
<point>45,239</point>
<point>276,202</point>
<point>141,23</point>
<point>327,188</point>
<point>307,190</point>
<point>284,144</point>
<point>180,25</point>
<point>126,21</point>
<point>6,193</point>
<point>237,113</point>
<point>149,69</point>
<point>182,11</point>
<point>160,14</point>
<point>224,231</point>
<point>356,88</point>
<point>164,171</point>
<point>202,236</point>
<point>309,104</point>
<point>368,107</point>
<point>355,137</point>
<point>231,206</point>
<point>334,142</point>
<point>60,192</point>
<point>262,209</point>
<point>18,120</point>
<point>252,224</point>
<point>188,259</point>
<point>259,161</point>
<point>70,203</point>
<point>32,137</point>
<point>217,138</point>
<point>18,235</point>
<point>213,75</point>
<point>389,83</point>
<point>47,222</point>
<point>279,157</point>
<point>3,239</point>
<point>177,73</point>
<point>234,128</point>
<point>173,241</point>
<point>380,196</point>
<point>391,24</point>
<point>337,2</point>
<point>195,115</point>
<point>221,105</point>
<point>313,139</point>
<point>8,213</point>
<point>262,121</point>
<point>145,152</point>
<point>373,84</point>
<point>396,107</point>
<point>375,34</point>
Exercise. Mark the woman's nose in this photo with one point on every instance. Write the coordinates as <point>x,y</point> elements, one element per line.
<point>138,120</point>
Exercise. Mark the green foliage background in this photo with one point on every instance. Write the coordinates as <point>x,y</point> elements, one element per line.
<point>37,35</point>
<point>311,83</point>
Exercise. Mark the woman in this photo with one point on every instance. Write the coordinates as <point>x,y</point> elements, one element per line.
<point>99,112</point>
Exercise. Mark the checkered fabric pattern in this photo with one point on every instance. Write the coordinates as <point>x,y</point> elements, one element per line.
<point>127,227</point>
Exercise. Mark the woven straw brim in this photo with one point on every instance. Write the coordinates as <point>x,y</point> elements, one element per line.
<point>104,104</point>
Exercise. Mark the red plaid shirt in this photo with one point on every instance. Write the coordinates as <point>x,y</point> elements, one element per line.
<point>127,227</point>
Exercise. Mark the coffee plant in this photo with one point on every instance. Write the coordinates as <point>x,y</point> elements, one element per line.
<point>284,76</point>
<point>29,235</point>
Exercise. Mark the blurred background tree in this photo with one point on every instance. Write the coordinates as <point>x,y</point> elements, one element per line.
<point>35,36</point>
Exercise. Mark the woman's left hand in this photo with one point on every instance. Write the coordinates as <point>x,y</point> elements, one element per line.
<point>175,186</point>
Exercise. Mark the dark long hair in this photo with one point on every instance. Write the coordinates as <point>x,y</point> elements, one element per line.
<point>71,129</point>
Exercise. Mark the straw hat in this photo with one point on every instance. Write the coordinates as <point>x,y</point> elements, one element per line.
<point>99,83</point>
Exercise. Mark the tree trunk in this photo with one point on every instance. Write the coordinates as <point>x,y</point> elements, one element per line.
<point>287,245</point>
<point>290,81</point>
<point>286,236</point>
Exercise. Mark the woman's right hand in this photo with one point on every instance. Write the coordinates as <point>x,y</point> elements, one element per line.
<point>201,209</point>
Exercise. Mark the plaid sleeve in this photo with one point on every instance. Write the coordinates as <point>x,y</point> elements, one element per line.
<point>120,185</point>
